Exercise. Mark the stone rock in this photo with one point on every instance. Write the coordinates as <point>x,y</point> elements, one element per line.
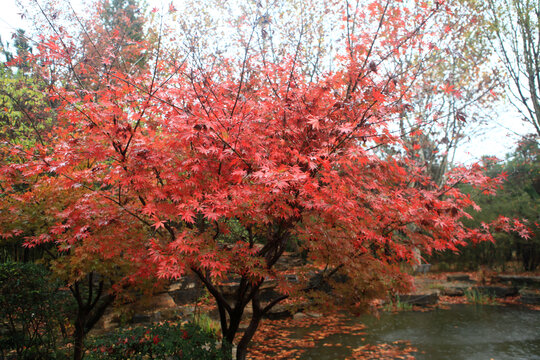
<point>163,300</point>
<point>109,321</point>
<point>288,261</point>
<point>268,294</point>
<point>170,314</point>
<point>454,289</point>
<point>279,312</point>
<point>530,297</point>
<point>497,291</point>
<point>186,291</point>
<point>188,310</point>
<point>422,268</point>
<point>243,326</point>
<point>299,316</point>
<point>291,278</point>
<point>519,280</point>
<point>228,290</point>
<point>419,299</point>
<point>141,318</point>
<point>458,277</point>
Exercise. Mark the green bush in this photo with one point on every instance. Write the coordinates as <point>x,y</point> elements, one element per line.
<point>394,304</point>
<point>32,312</point>
<point>476,297</point>
<point>205,323</point>
<point>160,341</point>
<point>518,199</point>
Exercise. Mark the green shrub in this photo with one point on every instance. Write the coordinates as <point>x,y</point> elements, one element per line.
<point>477,297</point>
<point>205,323</point>
<point>395,304</point>
<point>443,266</point>
<point>32,312</point>
<point>160,341</point>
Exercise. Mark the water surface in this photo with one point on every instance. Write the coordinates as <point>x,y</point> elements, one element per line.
<point>474,332</point>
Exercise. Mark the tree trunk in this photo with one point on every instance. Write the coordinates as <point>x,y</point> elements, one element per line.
<point>231,316</point>
<point>230,333</point>
<point>78,340</point>
<point>89,311</point>
<point>241,349</point>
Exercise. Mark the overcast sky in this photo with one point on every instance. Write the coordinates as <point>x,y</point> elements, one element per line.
<point>8,18</point>
<point>498,138</point>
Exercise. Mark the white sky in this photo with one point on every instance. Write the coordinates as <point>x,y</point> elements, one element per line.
<point>9,19</point>
<point>498,138</point>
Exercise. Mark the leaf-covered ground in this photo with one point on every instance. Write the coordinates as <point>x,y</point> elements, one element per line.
<point>279,339</point>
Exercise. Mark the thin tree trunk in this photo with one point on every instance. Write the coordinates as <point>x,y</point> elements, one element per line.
<point>78,340</point>
<point>90,310</point>
<point>241,350</point>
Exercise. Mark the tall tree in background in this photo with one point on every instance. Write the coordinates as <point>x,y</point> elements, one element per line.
<point>519,199</point>
<point>26,117</point>
<point>454,90</point>
<point>517,37</point>
<point>25,110</point>
<point>119,34</point>
<point>125,17</point>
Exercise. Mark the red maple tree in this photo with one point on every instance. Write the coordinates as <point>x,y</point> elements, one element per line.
<point>219,171</point>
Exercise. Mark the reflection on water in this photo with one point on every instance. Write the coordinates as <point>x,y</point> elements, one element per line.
<point>462,332</point>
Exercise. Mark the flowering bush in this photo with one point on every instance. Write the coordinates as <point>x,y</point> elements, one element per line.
<point>156,342</point>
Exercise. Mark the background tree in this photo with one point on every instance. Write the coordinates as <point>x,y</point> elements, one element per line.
<point>517,38</point>
<point>26,117</point>
<point>454,89</point>
<point>519,199</point>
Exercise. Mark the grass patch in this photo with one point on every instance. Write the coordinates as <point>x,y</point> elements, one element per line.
<point>477,297</point>
<point>394,304</point>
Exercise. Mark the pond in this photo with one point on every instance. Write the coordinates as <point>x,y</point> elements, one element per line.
<point>461,332</point>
